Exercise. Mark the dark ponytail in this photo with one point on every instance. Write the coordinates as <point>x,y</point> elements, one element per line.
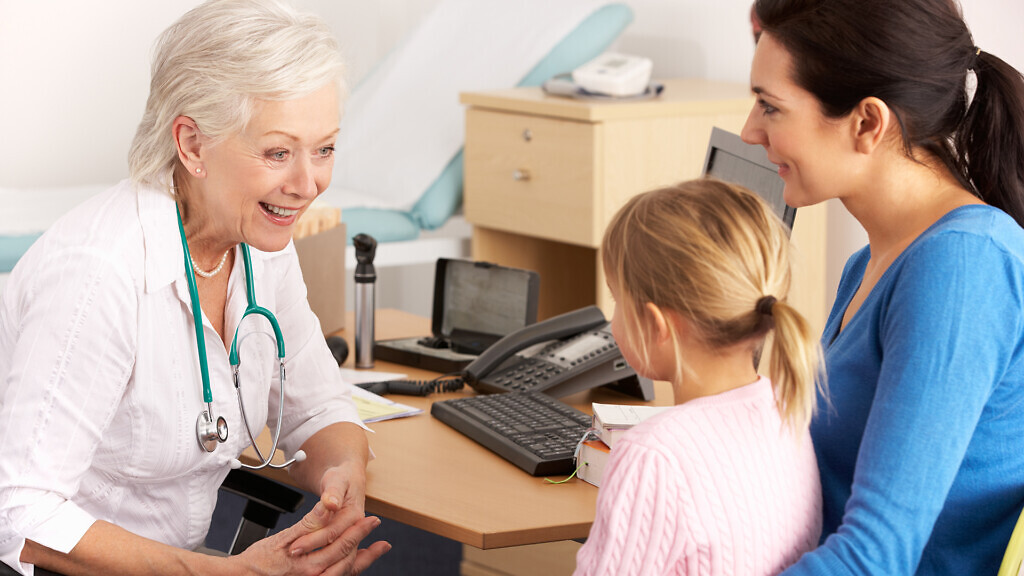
<point>991,139</point>
<point>914,55</point>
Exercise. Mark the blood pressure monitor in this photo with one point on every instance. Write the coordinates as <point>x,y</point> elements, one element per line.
<point>614,75</point>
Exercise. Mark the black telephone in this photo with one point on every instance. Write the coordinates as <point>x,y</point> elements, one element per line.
<point>559,356</point>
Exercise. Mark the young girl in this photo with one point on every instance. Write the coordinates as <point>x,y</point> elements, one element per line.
<point>726,482</point>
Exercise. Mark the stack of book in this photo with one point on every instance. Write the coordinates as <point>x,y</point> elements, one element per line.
<point>611,421</point>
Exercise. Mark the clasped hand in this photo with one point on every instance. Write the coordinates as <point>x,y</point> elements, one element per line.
<point>326,540</point>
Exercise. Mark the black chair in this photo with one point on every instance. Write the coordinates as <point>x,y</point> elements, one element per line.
<point>266,500</point>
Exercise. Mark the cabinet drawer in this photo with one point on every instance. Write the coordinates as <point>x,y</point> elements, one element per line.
<point>532,175</point>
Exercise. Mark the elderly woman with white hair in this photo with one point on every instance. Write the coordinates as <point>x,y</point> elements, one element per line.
<point>119,355</point>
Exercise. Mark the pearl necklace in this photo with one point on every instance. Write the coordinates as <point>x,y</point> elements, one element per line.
<point>197,269</point>
<point>213,272</point>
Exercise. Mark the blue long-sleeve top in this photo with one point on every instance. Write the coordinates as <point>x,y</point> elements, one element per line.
<point>921,443</point>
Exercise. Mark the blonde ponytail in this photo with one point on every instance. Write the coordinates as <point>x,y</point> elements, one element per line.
<point>796,366</point>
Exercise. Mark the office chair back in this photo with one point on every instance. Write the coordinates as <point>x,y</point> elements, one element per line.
<point>1012,561</point>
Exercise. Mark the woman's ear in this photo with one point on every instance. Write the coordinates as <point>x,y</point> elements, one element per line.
<point>189,142</point>
<point>871,120</point>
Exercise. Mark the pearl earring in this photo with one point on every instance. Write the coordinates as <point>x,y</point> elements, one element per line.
<point>198,170</point>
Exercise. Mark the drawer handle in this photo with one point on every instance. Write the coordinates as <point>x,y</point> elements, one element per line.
<point>527,135</point>
<point>521,175</point>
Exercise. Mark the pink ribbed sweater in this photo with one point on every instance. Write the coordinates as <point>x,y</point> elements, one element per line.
<point>717,485</point>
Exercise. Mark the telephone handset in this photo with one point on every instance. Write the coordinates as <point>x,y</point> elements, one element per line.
<point>559,356</point>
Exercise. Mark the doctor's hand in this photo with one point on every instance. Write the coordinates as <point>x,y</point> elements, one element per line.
<point>278,554</point>
<point>342,495</point>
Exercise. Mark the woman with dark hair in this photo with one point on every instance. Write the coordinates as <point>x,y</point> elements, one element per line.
<point>892,109</point>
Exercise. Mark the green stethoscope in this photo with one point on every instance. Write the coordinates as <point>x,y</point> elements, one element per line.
<point>208,432</point>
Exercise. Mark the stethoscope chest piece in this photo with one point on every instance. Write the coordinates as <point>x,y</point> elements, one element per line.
<point>208,434</point>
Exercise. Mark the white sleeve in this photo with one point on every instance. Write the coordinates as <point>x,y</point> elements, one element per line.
<point>69,339</point>
<point>315,394</point>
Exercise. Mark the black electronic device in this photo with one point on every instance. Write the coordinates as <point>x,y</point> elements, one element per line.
<point>475,304</point>
<point>529,429</point>
<point>560,356</point>
<point>339,348</point>
<point>731,159</point>
<point>366,293</point>
<point>413,387</point>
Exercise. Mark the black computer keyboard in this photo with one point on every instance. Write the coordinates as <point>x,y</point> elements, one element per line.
<point>529,429</point>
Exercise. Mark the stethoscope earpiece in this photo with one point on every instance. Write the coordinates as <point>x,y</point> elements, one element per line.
<point>299,456</point>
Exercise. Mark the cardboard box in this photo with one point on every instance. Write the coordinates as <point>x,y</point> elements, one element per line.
<point>322,259</point>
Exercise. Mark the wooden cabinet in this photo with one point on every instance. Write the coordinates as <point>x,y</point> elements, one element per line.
<point>545,174</point>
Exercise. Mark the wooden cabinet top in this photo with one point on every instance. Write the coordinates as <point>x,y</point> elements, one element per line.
<point>680,97</point>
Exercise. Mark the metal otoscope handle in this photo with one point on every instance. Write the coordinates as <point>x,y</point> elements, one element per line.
<point>365,284</point>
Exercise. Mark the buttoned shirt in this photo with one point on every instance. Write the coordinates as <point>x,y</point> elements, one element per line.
<point>100,385</point>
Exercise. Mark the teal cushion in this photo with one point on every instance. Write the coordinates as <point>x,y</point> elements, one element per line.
<point>586,42</point>
<point>12,247</point>
<point>383,225</point>
<point>443,197</point>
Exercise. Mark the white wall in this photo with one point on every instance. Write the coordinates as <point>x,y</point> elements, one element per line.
<point>75,74</point>
<point>75,80</point>
<point>80,77</point>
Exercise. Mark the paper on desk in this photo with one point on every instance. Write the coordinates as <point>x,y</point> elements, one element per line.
<point>623,416</point>
<point>374,408</point>
<point>359,376</point>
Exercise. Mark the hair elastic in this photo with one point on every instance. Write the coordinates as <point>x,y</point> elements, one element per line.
<point>974,59</point>
<point>764,305</point>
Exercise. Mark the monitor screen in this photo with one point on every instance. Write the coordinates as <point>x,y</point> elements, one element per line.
<point>731,159</point>
<point>483,298</point>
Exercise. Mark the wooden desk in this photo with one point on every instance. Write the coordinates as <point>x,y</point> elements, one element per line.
<point>429,476</point>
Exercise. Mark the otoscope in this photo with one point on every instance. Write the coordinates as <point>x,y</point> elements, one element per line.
<point>365,281</point>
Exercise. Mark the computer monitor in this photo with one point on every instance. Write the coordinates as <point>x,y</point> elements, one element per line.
<point>731,159</point>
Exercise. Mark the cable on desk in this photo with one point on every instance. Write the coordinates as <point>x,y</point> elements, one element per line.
<point>588,434</point>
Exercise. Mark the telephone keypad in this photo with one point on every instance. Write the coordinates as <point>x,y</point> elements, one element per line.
<point>526,374</point>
